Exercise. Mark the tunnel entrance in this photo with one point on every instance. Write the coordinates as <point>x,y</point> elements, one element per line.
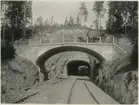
<point>48,54</point>
<point>78,68</point>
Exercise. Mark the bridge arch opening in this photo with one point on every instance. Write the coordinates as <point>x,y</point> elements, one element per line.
<point>78,68</point>
<point>46,55</point>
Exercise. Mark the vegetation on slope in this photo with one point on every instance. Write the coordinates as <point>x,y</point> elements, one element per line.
<point>17,76</point>
<point>119,79</point>
<point>7,47</point>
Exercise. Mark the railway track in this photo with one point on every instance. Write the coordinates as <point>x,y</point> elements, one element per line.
<point>85,90</point>
<point>70,95</point>
<point>72,90</point>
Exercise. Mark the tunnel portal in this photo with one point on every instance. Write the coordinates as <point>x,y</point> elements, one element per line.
<point>46,55</point>
<point>78,68</point>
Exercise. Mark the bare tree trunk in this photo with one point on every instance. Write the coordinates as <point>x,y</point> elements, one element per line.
<point>24,33</point>
<point>4,24</point>
<point>31,26</point>
<point>3,32</point>
<point>99,23</point>
<point>81,19</point>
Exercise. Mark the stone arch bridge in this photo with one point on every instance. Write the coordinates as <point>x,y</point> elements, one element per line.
<point>40,52</point>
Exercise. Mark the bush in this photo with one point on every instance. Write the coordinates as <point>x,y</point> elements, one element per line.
<point>134,56</point>
<point>28,33</point>
<point>7,33</point>
<point>133,35</point>
<point>7,50</point>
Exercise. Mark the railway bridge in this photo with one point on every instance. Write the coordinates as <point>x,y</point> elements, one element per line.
<point>71,89</point>
<point>40,50</point>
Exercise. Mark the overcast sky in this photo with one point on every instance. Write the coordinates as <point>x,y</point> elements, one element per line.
<point>62,9</point>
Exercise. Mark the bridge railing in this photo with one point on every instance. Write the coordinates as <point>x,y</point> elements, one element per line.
<point>118,48</point>
<point>65,40</point>
<point>62,40</point>
<point>70,39</point>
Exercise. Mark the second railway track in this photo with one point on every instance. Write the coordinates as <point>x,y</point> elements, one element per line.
<point>81,82</point>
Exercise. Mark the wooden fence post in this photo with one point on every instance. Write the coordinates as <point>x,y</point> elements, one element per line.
<point>113,41</point>
<point>100,40</point>
<point>87,39</point>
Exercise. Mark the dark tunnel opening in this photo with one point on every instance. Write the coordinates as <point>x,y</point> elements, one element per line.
<point>48,54</point>
<point>78,68</point>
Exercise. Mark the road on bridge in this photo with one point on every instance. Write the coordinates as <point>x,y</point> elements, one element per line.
<point>72,90</point>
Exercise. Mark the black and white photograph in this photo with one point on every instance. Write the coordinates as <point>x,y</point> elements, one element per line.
<point>69,52</point>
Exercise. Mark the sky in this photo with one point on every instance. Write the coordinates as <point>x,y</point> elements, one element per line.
<point>62,9</point>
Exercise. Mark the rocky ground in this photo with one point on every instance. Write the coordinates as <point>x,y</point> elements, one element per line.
<point>119,79</point>
<point>17,76</point>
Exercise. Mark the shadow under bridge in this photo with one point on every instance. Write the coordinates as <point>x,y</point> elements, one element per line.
<point>46,55</point>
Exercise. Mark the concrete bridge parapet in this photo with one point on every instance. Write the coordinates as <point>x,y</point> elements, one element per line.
<point>109,51</point>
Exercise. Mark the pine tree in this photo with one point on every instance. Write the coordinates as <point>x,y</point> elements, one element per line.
<point>99,11</point>
<point>66,22</point>
<point>96,23</point>
<point>123,15</point>
<point>71,21</point>
<point>19,14</point>
<point>78,20</point>
<point>83,12</point>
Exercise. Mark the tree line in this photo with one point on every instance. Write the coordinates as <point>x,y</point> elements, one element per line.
<point>123,18</point>
<point>80,20</point>
<point>16,19</point>
<point>16,22</point>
